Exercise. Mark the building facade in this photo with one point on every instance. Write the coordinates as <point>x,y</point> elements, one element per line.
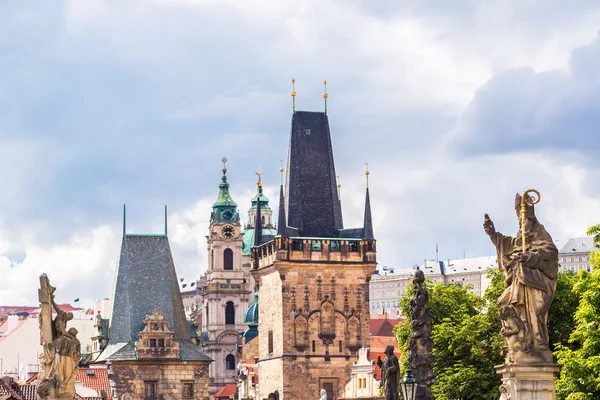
<point>312,276</point>
<point>575,254</point>
<point>150,352</point>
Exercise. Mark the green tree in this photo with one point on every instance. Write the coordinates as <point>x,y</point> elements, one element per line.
<point>561,317</point>
<point>594,231</point>
<point>580,375</point>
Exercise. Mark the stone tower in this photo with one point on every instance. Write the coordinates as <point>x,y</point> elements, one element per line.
<point>227,293</point>
<point>150,351</point>
<point>313,276</point>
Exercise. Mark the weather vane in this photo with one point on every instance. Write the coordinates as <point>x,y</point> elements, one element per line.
<point>367,173</point>
<point>258,172</point>
<point>325,95</point>
<point>294,95</point>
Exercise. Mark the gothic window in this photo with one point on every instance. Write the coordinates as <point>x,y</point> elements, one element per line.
<point>188,390</point>
<point>229,313</point>
<point>228,260</point>
<point>301,328</point>
<point>150,390</point>
<point>229,362</point>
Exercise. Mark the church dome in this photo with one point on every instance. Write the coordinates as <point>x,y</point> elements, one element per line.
<point>252,313</point>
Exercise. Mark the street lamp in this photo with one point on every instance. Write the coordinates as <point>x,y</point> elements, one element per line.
<point>409,385</point>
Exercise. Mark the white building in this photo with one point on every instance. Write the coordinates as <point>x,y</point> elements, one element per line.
<point>575,254</point>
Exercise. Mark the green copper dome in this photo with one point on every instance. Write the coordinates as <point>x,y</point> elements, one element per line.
<point>252,313</point>
<point>264,201</point>
<point>224,209</point>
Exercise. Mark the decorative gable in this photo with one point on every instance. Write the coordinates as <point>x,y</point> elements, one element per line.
<point>156,340</point>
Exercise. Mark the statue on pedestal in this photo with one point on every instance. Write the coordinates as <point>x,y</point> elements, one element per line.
<point>529,262</point>
<point>420,358</point>
<point>390,370</point>
<point>61,350</point>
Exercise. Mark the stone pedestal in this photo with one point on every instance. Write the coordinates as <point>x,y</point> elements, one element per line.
<point>528,381</point>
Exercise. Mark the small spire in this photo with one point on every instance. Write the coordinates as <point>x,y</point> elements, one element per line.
<point>368,220</point>
<point>281,172</point>
<point>294,95</point>
<point>367,173</point>
<point>124,220</point>
<point>281,219</point>
<point>166,220</point>
<point>325,95</point>
<point>258,222</point>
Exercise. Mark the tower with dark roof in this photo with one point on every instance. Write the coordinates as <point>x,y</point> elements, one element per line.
<point>148,326</point>
<point>313,275</point>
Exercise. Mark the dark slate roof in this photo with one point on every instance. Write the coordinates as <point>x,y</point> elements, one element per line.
<point>368,220</point>
<point>146,278</point>
<point>312,203</point>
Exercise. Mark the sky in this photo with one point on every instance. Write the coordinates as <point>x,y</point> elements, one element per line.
<point>456,106</point>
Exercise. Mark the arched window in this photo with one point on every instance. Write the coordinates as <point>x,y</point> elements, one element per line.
<point>212,260</point>
<point>230,362</point>
<point>228,260</point>
<point>263,220</point>
<point>229,313</point>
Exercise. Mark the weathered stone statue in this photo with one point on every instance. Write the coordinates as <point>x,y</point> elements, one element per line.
<point>61,350</point>
<point>390,370</point>
<point>529,262</point>
<point>420,358</point>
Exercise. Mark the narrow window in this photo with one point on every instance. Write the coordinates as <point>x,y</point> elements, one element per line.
<point>188,390</point>
<point>296,244</point>
<point>229,362</point>
<point>161,342</point>
<point>334,245</point>
<point>314,346</point>
<point>228,260</point>
<point>152,342</point>
<point>229,313</point>
<point>263,220</point>
<point>270,342</point>
<point>340,345</point>
<point>150,390</point>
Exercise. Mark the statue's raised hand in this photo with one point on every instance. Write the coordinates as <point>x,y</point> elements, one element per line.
<point>488,225</point>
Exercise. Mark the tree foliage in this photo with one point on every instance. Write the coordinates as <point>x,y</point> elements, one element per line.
<point>561,317</point>
<point>580,375</point>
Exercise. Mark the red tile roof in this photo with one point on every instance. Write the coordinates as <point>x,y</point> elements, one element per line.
<point>377,349</point>
<point>228,392</point>
<point>97,381</point>
<point>27,392</point>
<point>6,393</point>
<point>383,327</point>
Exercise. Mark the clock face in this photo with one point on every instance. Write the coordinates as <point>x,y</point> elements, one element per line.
<point>228,231</point>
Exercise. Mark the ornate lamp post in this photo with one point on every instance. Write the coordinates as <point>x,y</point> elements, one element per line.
<point>409,385</point>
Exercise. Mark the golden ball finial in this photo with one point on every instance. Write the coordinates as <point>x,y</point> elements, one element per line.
<point>281,169</point>
<point>367,173</point>
<point>325,82</point>
<point>293,94</point>
<point>325,95</point>
<point>293,80</point>
<point>339,185</point>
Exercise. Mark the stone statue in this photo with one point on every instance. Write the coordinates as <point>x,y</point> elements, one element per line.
<point>61,350</point>
<point>529,262</point>
<point>323,395</point>
<point>420,358</point>
<point>390,370</point>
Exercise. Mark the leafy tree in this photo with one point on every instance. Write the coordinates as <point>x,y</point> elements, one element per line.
<point>561,317</point>
<point>594,231</point>
<point>580,375</point>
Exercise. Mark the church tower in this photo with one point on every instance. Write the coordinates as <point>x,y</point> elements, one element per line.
<point>227,294</point>
<point>313,276</point>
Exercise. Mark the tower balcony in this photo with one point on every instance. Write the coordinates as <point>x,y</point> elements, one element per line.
<point>308,249</point>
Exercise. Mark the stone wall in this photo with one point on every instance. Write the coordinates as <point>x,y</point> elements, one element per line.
<point>130,378</point>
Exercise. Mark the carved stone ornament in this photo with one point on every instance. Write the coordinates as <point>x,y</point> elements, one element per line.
<point>61,350</point>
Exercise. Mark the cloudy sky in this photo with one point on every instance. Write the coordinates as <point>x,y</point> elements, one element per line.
<point>455,105</point>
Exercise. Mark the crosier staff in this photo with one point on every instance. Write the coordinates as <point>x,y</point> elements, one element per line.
<point>530,197</point>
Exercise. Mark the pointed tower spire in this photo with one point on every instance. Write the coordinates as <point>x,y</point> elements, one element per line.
<point>281,220</point>
<point>224,209</point>
<point>325,95</point>
<point>293,95</point>
<point>258,223</point>
<point>124,220</point>
<point>368,221</point>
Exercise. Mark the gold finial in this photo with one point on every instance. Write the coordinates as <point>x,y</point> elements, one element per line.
<point>325,95</point>
<point>367,173</point>
<point>529,198</point>
<point>224,161</point>
<point>339,187</point>
<point>293,95</point>
<point>281,172</point>
<point>258,172</point>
